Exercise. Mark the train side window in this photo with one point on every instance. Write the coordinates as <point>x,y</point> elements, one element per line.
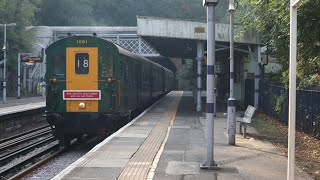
<point>106,62</point>
<point>59,65</point>
<point>110,65</point>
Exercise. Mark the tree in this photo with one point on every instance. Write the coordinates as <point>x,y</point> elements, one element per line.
<point>309,43</point>
<point>186,72</point>
<point>66,13</point>
<point>271,19</point>
<point>21,12</point>
<point>123,13</point>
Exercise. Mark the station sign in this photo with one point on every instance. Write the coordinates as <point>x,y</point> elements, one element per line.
<point>28,58</point>
<point>199,30</point>
<point>81,95</point>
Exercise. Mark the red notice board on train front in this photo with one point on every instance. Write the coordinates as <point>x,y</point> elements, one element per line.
<point>81,95</point>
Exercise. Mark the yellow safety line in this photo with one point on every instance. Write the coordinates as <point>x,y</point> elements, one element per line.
<point>157,158</point>
<point>139,165</point>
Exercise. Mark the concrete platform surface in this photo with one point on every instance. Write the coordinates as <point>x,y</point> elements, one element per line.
<point>169,142</point>
<point>14,105</point>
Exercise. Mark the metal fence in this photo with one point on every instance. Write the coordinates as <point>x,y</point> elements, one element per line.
<point>274,102</point>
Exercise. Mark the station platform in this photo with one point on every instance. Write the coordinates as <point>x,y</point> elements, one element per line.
<point>14,105</point>
<point>168,142</point>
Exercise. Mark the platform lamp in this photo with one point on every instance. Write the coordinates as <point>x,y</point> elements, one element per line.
<point>231,125</point>
<point>4,49</point>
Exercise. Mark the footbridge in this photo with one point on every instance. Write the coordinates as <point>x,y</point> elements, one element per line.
<point>125,37</point>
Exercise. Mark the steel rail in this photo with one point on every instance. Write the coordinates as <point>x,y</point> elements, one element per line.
<point>4,173</point>
<point>28,171</point>
<point>25,138</point>
<point>35,166</point>
<point>22,134</point>
<point>7,157</point>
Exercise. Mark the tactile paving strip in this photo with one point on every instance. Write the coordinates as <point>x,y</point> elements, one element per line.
<point>139,165</point>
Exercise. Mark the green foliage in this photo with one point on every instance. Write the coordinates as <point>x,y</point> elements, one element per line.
<point>310,81</point>
<point>66,12</point>
<point>271,19</point>
<point>121,13</point>
<point>279,102</point>
<point>186,72</point>
<point>21,12</point>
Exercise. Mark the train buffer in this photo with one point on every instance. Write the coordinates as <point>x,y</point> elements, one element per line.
<point>169,142</point>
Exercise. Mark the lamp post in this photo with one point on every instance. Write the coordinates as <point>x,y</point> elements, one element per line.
<point>5,59</point>
<point>231,101</point>
<point>209,162</point>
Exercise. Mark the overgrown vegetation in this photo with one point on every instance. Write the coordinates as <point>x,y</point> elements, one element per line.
<point>307,147</point>
<point>279,102</point>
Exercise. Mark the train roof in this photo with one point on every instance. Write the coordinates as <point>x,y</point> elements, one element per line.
<point>121,50</point>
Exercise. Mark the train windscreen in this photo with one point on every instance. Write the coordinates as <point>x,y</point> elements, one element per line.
<point>59,65</point>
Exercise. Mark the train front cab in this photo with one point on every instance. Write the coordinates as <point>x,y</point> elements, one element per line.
<point>82,99</point>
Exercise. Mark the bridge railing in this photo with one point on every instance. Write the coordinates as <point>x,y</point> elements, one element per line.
<point>274,101</point>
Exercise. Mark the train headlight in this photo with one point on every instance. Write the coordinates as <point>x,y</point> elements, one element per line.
<point>82,105</point>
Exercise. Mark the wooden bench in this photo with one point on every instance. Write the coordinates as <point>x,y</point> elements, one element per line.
<point>246,119</point>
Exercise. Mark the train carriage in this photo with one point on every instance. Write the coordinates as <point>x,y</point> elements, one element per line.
<point>92,83</point>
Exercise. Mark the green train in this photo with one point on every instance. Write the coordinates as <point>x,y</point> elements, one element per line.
<point>91,84</point>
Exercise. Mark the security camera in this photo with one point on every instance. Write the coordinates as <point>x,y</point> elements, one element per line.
<point>3,48</point>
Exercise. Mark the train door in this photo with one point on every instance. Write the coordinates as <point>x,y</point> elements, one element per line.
<point>123,73</point>
<point>132,91</point>
<point>109,89</point>
<point>81,92</point>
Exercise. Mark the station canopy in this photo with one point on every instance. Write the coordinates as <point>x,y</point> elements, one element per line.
<point>178,38</point>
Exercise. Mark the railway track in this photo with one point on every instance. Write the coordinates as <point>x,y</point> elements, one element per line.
<point>85,142</point>
<point>17,152</point>
<point>23,137</point>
